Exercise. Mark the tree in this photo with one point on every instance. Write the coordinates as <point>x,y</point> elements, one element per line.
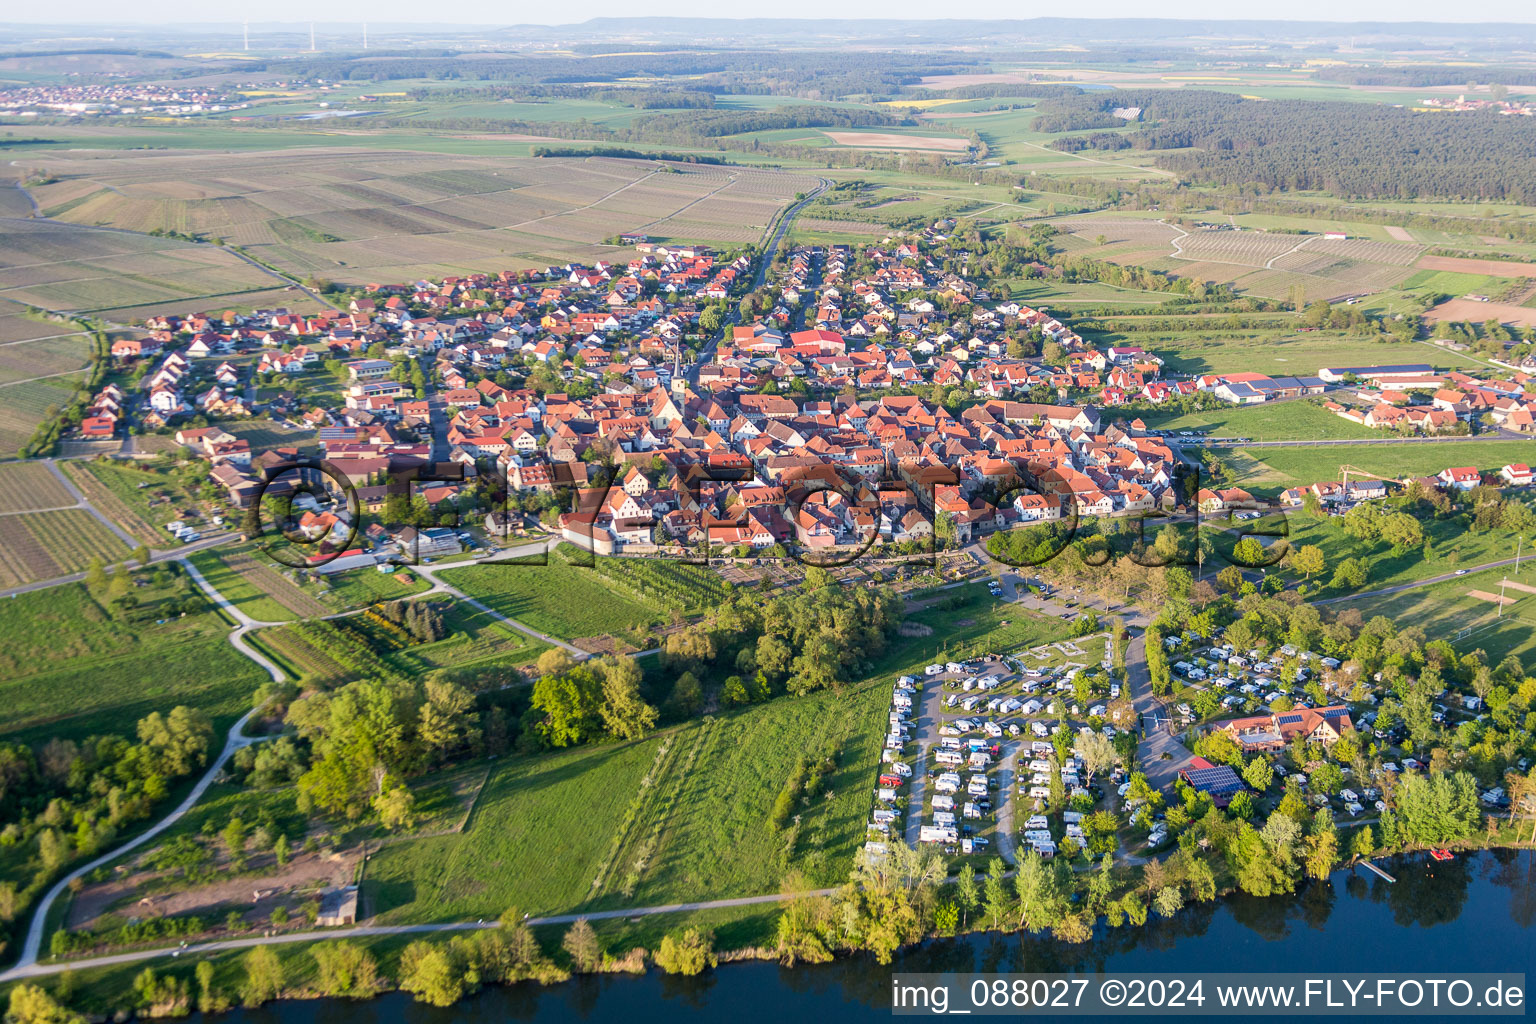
<point>428,970</point>
<point>1259,774</point>
<point>345,969</point>
<point>234,837</point>
<point>31,1004</point>
<point>1309,561</point>
<point>688,952</point>
<point>966,891</point>
<point>582,945</point>
<point>996,896</point>
<point>1362,844</point>
<point>571,703</point>
<point>1097,753</point>
<point>625,714</point>
<point>263,976</point>
<point>395,805</point>
<point>1168,901</point>
<point>1351,573</point>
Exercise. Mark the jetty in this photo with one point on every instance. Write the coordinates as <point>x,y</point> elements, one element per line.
<point>1367,863</point>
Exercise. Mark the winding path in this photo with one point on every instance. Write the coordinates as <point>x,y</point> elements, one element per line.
<point>26,965</point>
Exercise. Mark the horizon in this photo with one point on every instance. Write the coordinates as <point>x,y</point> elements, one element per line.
<point>1379,12</point>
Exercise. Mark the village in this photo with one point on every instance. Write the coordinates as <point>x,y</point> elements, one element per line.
<point>869,397</point>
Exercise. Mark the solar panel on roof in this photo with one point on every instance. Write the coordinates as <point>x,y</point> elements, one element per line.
<point>1333,712</point>
<point>1288,719</point>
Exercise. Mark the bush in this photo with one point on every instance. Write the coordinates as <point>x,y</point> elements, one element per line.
<point>688,952</point>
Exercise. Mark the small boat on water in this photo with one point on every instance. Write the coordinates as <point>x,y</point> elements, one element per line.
<point>1442,854</point>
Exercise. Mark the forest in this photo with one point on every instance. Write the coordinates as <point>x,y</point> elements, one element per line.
<point>1354,150</point>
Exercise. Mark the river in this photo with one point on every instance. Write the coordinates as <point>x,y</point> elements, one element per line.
<point>1474,914</point>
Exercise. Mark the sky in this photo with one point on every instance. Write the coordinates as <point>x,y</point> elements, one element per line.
<point>487,12</point>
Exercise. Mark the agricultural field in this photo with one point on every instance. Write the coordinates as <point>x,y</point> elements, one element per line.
<point>1279,353</point>
<point>322,212</point>
<point>683,814</point>
<point>113,491</point>
<point>44,545</point>
<point>24,406</point>
<point>255,585</point>
<point>44,358</point>
<point>71,266</point>
<point>30,487</point>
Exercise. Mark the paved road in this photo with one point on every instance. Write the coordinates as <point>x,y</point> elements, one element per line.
<point>82,502</point>
<point>176,554</point>
<point>244,622</point>
<point>31,968</point>
<point>233,741</point>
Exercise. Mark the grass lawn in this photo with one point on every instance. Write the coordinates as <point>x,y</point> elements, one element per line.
<point>1277,353</point>
<point>698,830</point>
<point>240,590</point>
<point>559,599</point>
<point>1274,421</point>
<point>101,696</point>
<point>1452,548</point>
<point>1446,610</point>
<point>1267,471</point>
<point>70,669</point>
<point>571,802</point>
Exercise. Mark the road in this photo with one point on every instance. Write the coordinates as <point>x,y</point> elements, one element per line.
<point>244,622</point>
<point>30,968</point>
<point>176,554</point>
<point>765,259</point>
<point>1156,738</point>
<point>234,740</point>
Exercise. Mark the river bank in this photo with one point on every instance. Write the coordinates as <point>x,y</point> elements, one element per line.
<point>1352,921</point>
